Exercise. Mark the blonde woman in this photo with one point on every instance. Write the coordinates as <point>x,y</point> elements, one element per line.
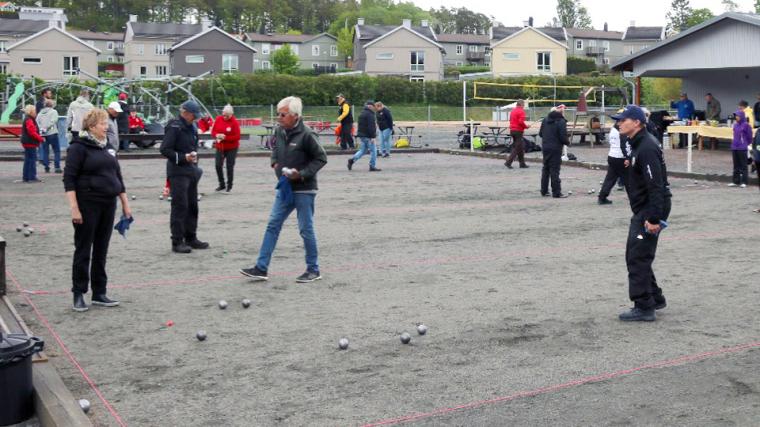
<point>30,140</point>
<point>93,182</point>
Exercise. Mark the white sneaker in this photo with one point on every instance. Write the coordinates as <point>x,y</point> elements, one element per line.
<point>743,186</point>
<point>732,185</point>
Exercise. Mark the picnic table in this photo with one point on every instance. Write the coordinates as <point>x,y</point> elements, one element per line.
<point>496,132</point>
<point>406,131</point>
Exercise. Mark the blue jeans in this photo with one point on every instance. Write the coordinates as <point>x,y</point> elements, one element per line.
<point>303,203</point>
<point>385,140</point>
<point>30,164</point>
<point>51,141</point>
<point>367,145</point>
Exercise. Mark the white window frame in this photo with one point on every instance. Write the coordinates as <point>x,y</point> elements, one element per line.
<point>160,70</point>
<point>140,49</point>
<point>266,65</point>
<point>333,50</point>
<point>119,45</point>
<point>606,61</point>
<point>160,49</point>
<point>109,46</point>
<point>416,65</point>
<point>416,78</point>
<point>72,71</point>
<point>3,45</point>
<point>472,48</point>
<point>195,59</point>
<point>606,45</point>
<point>541,58</point>
<point>592,43</point>
<point>459,63</point>
<point>511,56</point>
<point>3,68</point>
<point>293,48</point>
<point>228,68</point>
<point>266,48</point>
<point>314,65</point>
<point>315,50</point>
<point>384,56</point>
<point>32,60</point>
<point>578,44</point>
<point>109,59</point>
<point>460,49</point>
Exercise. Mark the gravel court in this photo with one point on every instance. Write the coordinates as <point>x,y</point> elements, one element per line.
<point>519,292</point>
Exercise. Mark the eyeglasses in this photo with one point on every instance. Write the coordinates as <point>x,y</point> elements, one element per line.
<point>282,114</point>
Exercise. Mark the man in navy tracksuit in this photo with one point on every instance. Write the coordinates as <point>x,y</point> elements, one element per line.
<point>649,195</point>
<point>179,147</point>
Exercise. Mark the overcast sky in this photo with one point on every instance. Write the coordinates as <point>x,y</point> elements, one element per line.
<point>617,13</point>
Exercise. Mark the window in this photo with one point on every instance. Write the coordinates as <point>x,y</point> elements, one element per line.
<point>579,45</point>
<point>418,60</point>
<point>333,50</point>
<point>544,61</point>
<point>416,79</point>
<point>472,48</point>
<point>459,63</point>
<point>90,42</point>
<point>592,43</point>
<point>460,49</point>
<point>70,65</point>
<point>109,45</point>
<point>265,65</point>
<point>333,65</point>
<point>3,68</point>
<point>139,49</point>
<point>119,45</point>
<point>230,63</point>
<point>3,46</point>
<point>294,48</point>
<point>109,59</point>
<point>160,49</point>
<point>119,59</point>
<point>160,70</point>
<point>314,65</point>
<point>384,56</point>
<point>606,45</point>
<point>315,50</point>
<point>194,59</point>
<point>606,61</point>
<point>511,56</point>
<point>265,48</point>
<point>28,60</point>
<point>143,70</point>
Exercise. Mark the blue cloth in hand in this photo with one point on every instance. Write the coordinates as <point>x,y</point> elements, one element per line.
<point>285,190</point>
<point>663,225</point>
<point>123,225</point>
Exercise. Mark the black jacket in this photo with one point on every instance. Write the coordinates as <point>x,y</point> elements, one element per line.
<point>367,127</point>
<point>122,120</point>
<point>553,131</point>
<point>91,171</point>
<point>180,138</point>
<point>647,177</point>
<point>384,119</point>
<point>299,148</point>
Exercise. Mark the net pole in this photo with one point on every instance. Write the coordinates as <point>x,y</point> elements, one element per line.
<point>464,103</point>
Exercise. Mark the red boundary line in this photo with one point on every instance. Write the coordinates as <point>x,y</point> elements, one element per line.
<point>552,388</point>
<point>65,349</point>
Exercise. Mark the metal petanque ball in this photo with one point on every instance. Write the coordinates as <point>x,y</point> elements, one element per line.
<point>222,304</point>
<point>27,233</point>
<point>201,335</point>
<point>134,197</point>
<point>405,338</point>
<point>246,303</point>
<point>160,197</point>
<point>30,230</point>
<point>169,199</point>
<point>19,229</point>
<point>570,192</point>
<point>26,224</point>
<point>421,329</point>
<point>343,343</point>
<point>85,405</point>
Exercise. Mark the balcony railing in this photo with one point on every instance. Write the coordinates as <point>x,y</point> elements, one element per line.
<point>475,56</point>
<point>595,51</point>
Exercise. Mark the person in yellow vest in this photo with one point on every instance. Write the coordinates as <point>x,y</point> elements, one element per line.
<point>346,120</point>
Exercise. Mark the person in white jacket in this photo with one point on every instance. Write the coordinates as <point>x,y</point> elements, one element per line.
<point>47,121</point>
<point>616,164</point>
<point>77,110</point>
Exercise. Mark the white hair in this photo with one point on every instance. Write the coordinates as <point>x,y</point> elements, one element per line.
<point>228,109</point>
<point>294,104</point>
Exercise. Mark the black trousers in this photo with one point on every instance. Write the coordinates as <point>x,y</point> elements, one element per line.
<point>552,162</point>
<point>184,215</point>
<point>518,148</point>
<point>346,140</point>
<point>615,172</point>
<point>740,166</point>
<point>91,239</point>
<point>228,157</point>
<point>640,251</point>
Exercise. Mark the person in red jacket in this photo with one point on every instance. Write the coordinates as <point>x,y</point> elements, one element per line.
<point>204,124</point>
<point>226,130</point>
<point>516,128</point>
<point>30,140</point>
<point>136,124</point>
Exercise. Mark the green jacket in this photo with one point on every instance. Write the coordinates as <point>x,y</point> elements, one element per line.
<point>299,148</point>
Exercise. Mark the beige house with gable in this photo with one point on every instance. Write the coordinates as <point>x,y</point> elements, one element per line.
<point>52,54</point>
<point>528,51</point>
<point>404,52</point>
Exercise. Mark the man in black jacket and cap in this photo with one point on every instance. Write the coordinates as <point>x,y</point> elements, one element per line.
<point>649,195</point>
<point>180,147</point>
<point>366,132</point>
<point>553,135</point>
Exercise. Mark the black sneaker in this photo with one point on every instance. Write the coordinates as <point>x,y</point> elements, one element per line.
<point>229,188</point>
<point>638,315</point>
<point>386,155</point>
<point>350,163</point>
<point>308,276</point>
<point>197,244</point>
<point>181,248</point>
<point>545,194</point>
<point>372,169</point>
<point>508,165</point>
<point>605,201</point>
<point>79,304</point>
<point>560,196</point>
<point>661,304</point>
<point>104,301</point>
<point>221,187</point>
<point>47,170</point>
<point>524,166</point>
<point>254,273</point>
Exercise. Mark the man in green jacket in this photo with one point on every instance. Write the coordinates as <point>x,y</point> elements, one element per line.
<point>296,159</point>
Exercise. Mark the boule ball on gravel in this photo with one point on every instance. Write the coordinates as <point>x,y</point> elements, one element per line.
<point>343,343</point>
<point>246,303</point>
<point>201,335</point>
<point>405,338</point>
<point>222,304</point>
<point>422,329</point>
<point>85,405</point>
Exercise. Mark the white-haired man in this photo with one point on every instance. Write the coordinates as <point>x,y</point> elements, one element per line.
<point>226,130</point>
<point>296,159</point>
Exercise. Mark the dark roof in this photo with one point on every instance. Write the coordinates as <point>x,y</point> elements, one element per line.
<point>463,38</point>
<point>594,34</point>
<point>643,33</point>
<point>93,35</point>
<point>500,33</point>
<point>21,26</point>
<point>367,33</point>
<point>280,38</point>
<point>156,29</point>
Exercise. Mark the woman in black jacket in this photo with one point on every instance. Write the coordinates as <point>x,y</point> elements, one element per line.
<point>92,179</point>
<point>553,135</point>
